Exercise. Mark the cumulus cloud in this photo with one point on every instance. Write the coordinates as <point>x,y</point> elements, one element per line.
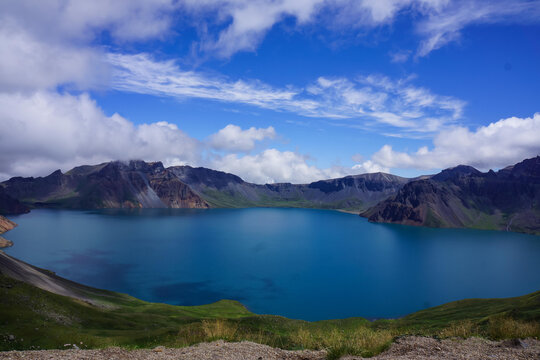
<point>124,20</point>
<point>49,43</point>
<point>45,131</point>
<point>28,64</point>
<point>496,145</point>
<point>232,138</point>
<point>369,99</point>
<point>274,166</point>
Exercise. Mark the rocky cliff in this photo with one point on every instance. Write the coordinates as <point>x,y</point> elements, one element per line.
<point>5,225</point>
<point>465,197</point>
<point>134,184</point>
<point>138,184</point>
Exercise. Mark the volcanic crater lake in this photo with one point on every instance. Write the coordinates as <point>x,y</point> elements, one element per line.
<point>299,263</point>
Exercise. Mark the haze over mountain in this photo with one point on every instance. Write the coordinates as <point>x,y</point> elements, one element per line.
<point>457,197</point>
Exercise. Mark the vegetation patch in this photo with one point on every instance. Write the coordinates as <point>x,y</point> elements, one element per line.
<point>31,318</point>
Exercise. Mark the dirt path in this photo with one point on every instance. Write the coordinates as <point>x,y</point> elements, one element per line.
<point>417,348</point>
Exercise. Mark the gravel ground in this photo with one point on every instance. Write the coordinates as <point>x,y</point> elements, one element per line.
<point>423,348</point>
<point>405,348</point>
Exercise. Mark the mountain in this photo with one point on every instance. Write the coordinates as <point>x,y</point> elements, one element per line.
<point>133,184</point>
<point>10,205</point>
<point>137,184</point>
<point>351,192</point>
<point>508,199</point>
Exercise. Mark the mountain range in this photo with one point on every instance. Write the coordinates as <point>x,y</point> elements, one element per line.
<point>508,199</point>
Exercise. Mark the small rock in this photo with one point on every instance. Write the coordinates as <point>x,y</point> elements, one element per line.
<point>11,337</point>
<point>159,349</point>
<point>76,347</point>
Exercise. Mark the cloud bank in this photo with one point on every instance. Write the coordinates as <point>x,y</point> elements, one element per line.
<point>501,143</point>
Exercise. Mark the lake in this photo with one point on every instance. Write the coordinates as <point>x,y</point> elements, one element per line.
<point>299,263</point>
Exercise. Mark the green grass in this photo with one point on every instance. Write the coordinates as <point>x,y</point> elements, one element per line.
<point>40,319</point>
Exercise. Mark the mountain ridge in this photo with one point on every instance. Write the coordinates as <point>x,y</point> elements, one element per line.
<point>508,199</point>
<point>462,196</point>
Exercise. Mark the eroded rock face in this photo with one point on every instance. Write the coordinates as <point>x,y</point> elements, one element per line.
<point>6,224</point>
<point>133,184</point>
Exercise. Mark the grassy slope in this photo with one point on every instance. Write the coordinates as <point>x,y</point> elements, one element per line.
<point>38,318</point>
<point>224,200</point>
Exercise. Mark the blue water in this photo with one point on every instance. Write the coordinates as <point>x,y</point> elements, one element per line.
<point>299,263</point>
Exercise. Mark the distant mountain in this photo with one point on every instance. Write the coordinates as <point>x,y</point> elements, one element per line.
<point>137,184</point>
<point>350,193</point>
<point>465,197</point>
<point>457,197</point>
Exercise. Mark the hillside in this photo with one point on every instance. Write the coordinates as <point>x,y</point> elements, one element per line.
<point>465,197</point>
<point>10,205</point>
<point>508,199</point>
<point>138,184</point>
<point>135,184</point>
<point>351,192</point>
<point>35,318</point>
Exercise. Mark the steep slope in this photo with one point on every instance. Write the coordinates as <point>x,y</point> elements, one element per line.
<point>465,197</point>
<point>352,192</point>
<point>5,225</point>
<point>10,205</point>
<point>135,184</point>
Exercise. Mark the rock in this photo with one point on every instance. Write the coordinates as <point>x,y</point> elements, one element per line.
<point>159,349</point>
<point>5,243</point>
<point>11,337</point>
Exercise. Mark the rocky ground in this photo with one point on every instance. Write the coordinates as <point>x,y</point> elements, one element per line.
<point>405,348</point>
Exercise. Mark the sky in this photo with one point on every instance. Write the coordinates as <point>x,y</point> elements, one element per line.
<point>270,90</point>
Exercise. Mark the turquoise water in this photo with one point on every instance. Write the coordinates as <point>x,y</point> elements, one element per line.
<point>299,263</point>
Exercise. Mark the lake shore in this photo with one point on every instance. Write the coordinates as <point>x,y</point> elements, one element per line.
<point>5,225</point>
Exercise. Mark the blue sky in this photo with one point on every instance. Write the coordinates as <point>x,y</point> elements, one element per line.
<point>274,91</point>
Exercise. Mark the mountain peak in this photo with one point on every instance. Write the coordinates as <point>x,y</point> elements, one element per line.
<point>456,172</point>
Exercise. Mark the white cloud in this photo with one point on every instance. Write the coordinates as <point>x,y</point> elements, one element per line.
<point>444,26</point>
<point>27,63</point>
<point>274,166</point>
<point>400,56</point>
<point>124,20</point>
<point>50,43</point>
<point>240,25</point>
<point>141,74</point>
<point>496,145</point>
<point>45,131</point>
<point>369,166</point>
<point>368,99</point>
<point>232,138</point>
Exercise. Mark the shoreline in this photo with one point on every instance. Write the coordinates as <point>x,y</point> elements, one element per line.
<point>5,226</point>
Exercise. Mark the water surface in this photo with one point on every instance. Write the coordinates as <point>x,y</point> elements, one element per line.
<point>299,263</point>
